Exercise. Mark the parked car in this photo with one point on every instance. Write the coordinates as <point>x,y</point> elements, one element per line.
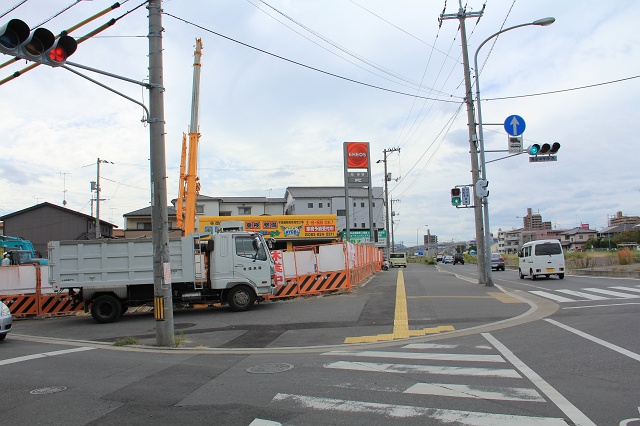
<point>6,320</point>
<point>497,261</point>
<point>447,259</point>
<point>458,258</point>
<point>385,265</point>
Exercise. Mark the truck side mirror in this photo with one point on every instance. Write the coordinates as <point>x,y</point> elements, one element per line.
<point>520,254</point>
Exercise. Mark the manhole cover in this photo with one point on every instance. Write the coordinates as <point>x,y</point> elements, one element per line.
<point>45,391</point>
<point>269,368</point>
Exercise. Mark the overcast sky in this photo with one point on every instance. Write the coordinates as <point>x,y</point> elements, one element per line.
<point>268,122</point>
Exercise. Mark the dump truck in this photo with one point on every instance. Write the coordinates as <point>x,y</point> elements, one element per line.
<point>111,275</point>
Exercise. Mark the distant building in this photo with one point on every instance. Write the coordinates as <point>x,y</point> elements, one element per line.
<point>46,222</point>
<point>574,239</point>
<point>619,219</point>
<point>330,199</point>
<point>533,221</point>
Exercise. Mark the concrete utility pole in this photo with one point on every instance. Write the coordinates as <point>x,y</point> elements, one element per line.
<point>387,178</point>
<point>393,241</point>
<point>163,301</point>
<point>473,139</point>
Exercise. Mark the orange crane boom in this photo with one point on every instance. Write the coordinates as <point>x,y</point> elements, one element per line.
<point>189,185</point>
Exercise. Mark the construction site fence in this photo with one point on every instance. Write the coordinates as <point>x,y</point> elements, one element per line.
<point>18,292</point>
<point>310,270</point>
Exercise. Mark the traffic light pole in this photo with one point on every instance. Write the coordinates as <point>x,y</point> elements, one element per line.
<point>473,140</point>
<point>163,301</point>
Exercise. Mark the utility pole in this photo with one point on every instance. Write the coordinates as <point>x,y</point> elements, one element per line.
<point>393,242</point>
<point>98,234</point>
<point>387,178</point>
<point>473,137</point>
<point>163,301</point>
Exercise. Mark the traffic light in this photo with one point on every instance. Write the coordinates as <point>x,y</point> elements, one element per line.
<point>533,149</point>
<point>543,153</point>
<point>456,200</point>
<point>39,45</point>
<point>482,188</point>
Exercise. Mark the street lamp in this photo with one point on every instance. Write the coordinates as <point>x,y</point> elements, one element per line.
<point>487,239</point>
<point>421,226</point>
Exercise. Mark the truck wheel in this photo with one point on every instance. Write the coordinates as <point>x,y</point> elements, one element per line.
<point>561,276</point>
<point>241,298</point>
<point>2,336</point>
<point>520,273</point>
<point>533,277</point>
<point>105,309</point>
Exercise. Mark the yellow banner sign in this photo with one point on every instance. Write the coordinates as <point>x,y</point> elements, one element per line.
<point>280,227</point>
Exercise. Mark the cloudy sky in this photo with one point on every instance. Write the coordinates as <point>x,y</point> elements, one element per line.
<point>285,82</point>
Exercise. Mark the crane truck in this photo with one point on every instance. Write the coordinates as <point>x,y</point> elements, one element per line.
<point>20,251</point>
<point>109,276</point>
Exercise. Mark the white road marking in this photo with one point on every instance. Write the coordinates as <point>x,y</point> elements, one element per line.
<point>429,369</point>
<point>481,392</point>
<point>438,346</point>
<point>602,306</point>
<point>428,346</point>
<point>608,345</point>
<point>556,397</point>
<point>581,294</point>
<point>43,355</point>
<point>420,355</point>
<point>263,422</point>
<point>551,296</point>
<point>637,290</point>
<point>612,293</point>
<point>467,418</point>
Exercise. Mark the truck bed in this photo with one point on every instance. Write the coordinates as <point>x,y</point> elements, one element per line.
<point>117,262</point>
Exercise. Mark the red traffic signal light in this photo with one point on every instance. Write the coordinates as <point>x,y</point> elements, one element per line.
<point>555,148</point>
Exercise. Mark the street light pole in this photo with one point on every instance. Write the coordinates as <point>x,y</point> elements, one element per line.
<point>483,165</point>
<point>421,226</point>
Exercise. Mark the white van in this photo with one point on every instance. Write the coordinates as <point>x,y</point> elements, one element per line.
<point>398,259</point>
<point>542,257</point>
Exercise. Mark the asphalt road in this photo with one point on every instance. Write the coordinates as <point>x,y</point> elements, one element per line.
<point>478,356</point>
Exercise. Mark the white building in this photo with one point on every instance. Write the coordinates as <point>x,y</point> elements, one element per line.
<point>330,200</point>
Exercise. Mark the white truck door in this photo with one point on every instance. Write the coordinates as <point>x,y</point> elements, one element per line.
<point>250,264</point>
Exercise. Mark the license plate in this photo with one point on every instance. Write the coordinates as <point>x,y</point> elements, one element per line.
<point>550,269</point>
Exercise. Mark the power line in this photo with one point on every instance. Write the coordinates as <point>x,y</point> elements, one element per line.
<point>562,90</point>
<point>306,66</point>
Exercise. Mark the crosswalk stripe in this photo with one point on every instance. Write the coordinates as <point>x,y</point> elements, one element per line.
<point>469,418</point>
<point>429,369</point>
<point>420,355</point>
<point>482,392</point>
<point>551,296</point>
<point>613,293</point>
<point>581,294</point>
<point>627,288</point>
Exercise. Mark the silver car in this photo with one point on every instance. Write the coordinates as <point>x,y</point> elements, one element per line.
<point>6,320</point>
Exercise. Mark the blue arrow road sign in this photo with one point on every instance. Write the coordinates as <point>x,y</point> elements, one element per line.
<point>514,125</point>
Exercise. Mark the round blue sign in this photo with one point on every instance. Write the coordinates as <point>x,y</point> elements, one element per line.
<point>514,125</point>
